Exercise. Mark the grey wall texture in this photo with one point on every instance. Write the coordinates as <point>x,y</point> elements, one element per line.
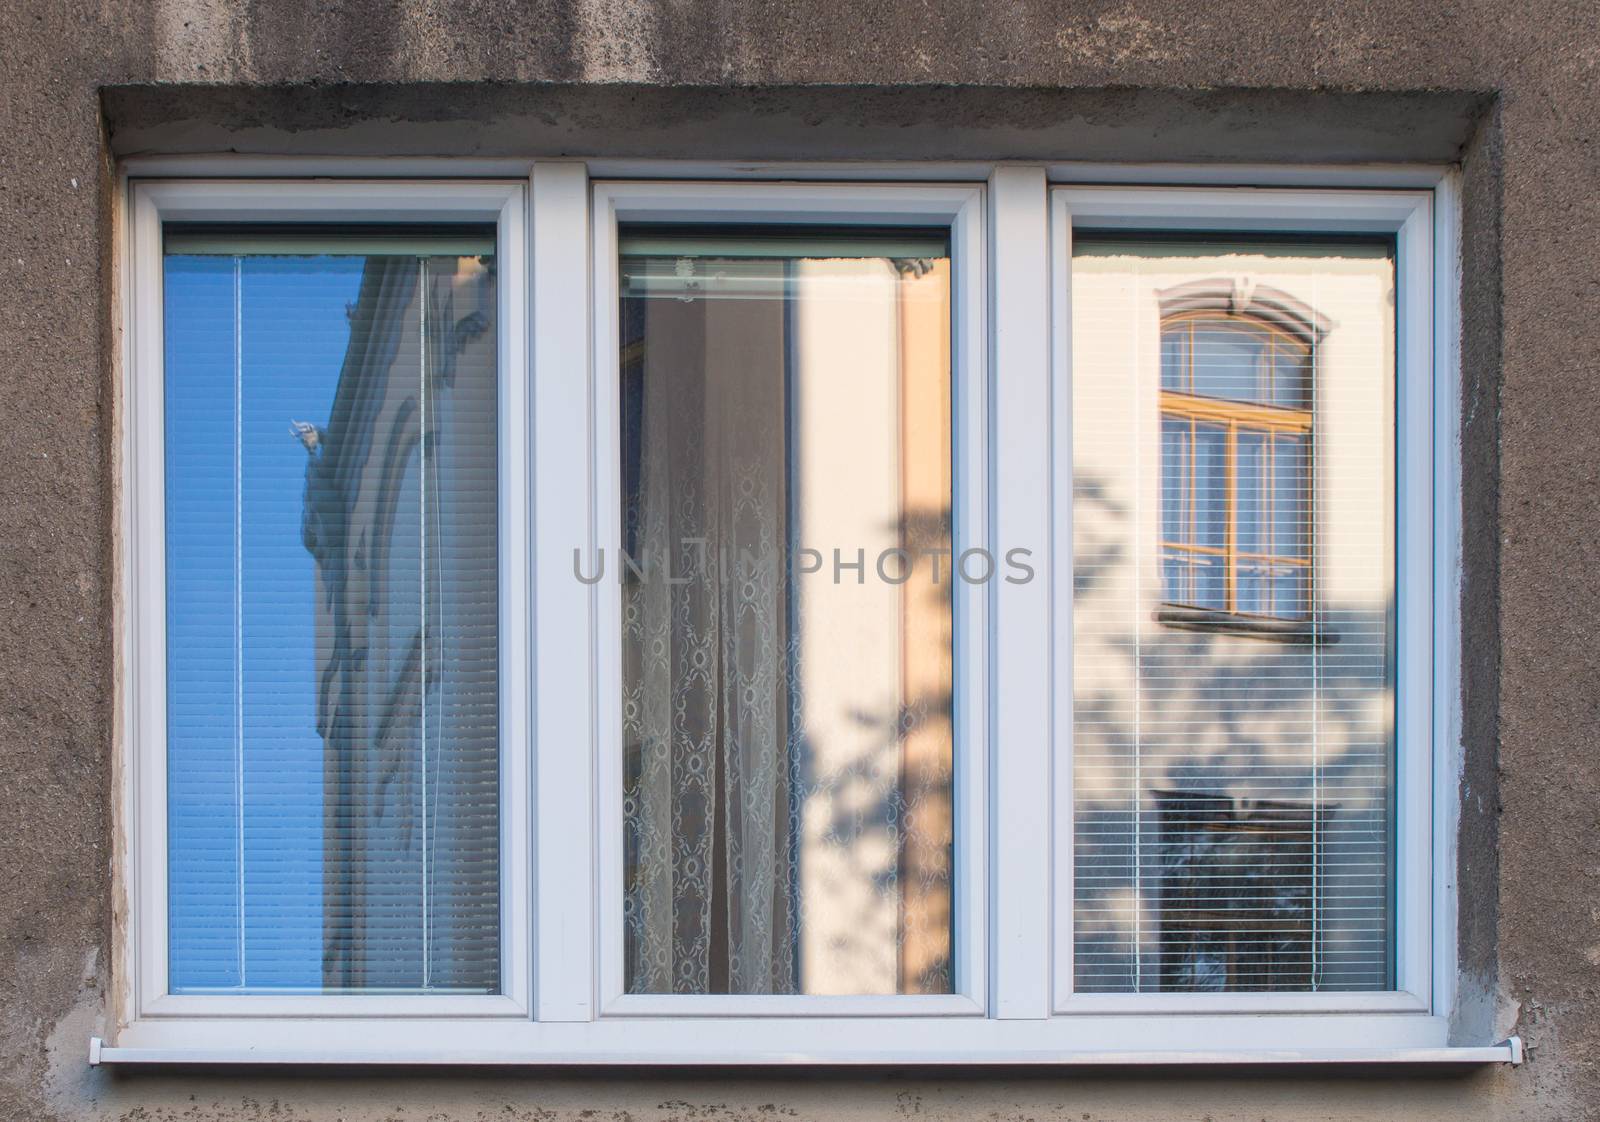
<point>1507,90</point>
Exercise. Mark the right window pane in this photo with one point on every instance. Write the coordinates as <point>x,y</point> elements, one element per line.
<point>1233,540</point>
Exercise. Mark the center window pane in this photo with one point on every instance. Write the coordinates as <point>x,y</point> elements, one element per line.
<point>786,594</point>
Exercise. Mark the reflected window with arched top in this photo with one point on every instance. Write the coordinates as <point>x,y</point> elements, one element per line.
<point>1236,484</point>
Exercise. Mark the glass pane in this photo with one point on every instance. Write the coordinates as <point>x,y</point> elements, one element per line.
<point>1211,514</point>
<point>1291,492</point>
<point>1175,478</point>
<point>1175,359</point>
<point>1210,581</point>
<point>1290,594</point>
<point>1232,359</point>
<point>1233,780</point>
<point>1178,575</point>
<point>787,613</point>
<point>1252,496</point>
<point>1252,586</point>
<point>1291,374</point>
<point>332,645</point>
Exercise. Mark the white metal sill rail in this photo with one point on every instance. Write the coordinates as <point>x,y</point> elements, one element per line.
<point>725,1045</point>
<point>1506,1052</point>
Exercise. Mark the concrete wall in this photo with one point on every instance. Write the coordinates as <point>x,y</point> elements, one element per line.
<point>1510,89</point>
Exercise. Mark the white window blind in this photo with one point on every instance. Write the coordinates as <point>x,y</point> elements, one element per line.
<point>1233,452</point>
<point>331,611</point>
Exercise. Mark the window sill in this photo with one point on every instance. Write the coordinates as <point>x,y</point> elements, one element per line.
<point>1298,631</point>
<point>1019,1043</point>
<point>1508,1052</point>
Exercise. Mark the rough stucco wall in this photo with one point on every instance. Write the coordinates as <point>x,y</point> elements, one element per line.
<point>1170,79</point>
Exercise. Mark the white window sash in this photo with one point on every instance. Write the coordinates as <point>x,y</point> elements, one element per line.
<point>875,205</point>
<point>1422,398</point>
<point>146,991</point>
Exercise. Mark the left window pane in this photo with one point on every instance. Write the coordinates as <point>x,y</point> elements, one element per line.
<point>332,606</point>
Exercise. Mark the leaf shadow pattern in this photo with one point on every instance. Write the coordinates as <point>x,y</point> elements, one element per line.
<point>890,820</point>
<point>1232,818</point>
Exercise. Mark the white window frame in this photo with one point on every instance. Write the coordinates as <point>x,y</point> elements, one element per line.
<point>559,488</point>
<point>1420,407</point>
<point>959,210</point>
<point>144,867</point>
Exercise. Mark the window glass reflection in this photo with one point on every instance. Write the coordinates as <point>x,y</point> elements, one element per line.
<point>1234,592</point>
<point>787,624</point>
<point>332,605</point>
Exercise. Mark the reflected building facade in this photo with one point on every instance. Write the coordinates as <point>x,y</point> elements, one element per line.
<point>399,516</point>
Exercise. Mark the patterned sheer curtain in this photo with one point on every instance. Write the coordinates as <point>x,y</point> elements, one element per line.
<point>787,779</point>
<point>705,701</point>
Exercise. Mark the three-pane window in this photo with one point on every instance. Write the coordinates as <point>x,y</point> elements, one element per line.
<point>774,504</point>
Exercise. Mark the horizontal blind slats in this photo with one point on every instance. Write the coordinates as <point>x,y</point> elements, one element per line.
<point>332,588</point>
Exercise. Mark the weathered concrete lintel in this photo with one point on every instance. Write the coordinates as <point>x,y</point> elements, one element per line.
<point>795,122</point>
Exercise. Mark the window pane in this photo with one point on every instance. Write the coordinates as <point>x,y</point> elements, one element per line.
<point>1252,494</point>
<point>787,613</point>
<point>1289,590</point>
<point>1252,586</point>
<point>1291,495</point>
<point>1232,360</point>
<point>1291,374</point>
<point>1233,778</point>
<point>1211,514</point>
<point>332,608</point>
<point>1175,476</point>
<point>1177,575</point>
<point>1175,359</point>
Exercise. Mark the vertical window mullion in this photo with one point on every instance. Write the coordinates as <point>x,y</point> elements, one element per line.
<point>567,467</point>
<point>1019,369</point>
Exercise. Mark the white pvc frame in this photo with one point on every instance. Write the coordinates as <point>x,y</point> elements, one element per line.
<point>958,209</point>
<point>1010,234</point>
<point>1425,398</point>
<point>144,599</point>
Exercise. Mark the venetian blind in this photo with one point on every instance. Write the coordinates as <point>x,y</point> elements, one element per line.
<point>1233,452</point>
<point>332,603</point>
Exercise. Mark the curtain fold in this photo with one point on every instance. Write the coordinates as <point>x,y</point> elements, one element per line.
<point>707,711</point>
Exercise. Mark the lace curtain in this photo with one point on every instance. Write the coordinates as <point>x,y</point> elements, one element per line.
<point>706,709</point>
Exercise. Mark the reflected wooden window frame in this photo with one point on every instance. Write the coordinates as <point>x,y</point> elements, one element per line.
<point>1233,416</point>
